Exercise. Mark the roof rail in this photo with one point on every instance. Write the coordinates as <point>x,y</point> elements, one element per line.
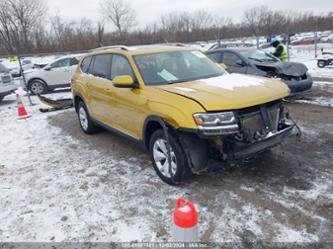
<point>177,44</point>
<point>122,47</point>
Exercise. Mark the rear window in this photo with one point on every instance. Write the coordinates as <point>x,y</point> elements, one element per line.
<point>85,64</point>
<point>3,69</point>
<point>102,66</point>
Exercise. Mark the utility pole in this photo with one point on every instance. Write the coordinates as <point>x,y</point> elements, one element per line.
<point>287,43</point>
<point>316,38</point>
<point>24,80</point>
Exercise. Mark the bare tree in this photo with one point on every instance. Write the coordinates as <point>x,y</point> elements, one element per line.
<point>120,14</point>
<point>19,18</point>
<point>100,34</point>
<point>254,18</point>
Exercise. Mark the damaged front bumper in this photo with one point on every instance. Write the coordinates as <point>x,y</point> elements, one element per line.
<point>299,86</point>
<point>271,140</point>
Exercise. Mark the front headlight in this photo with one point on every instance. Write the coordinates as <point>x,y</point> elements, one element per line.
<point>221,123</point>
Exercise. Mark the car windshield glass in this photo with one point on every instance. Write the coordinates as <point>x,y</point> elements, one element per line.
<point>176,67</point>
<point>258,55</point>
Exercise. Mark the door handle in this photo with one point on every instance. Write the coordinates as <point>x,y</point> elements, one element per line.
<point>107,89</point>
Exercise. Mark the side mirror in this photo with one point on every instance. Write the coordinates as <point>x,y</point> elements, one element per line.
<point>123,81</point>
<point>224,66</point>
<point>47,68</point>
<point>240,63</point>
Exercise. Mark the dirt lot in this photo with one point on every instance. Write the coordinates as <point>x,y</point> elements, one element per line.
<point>288,187</point>
<point>103,187</point>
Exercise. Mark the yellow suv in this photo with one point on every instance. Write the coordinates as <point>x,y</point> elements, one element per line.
<point>180,106</point>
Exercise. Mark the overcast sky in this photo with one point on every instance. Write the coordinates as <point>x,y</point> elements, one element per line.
<point>148,10</point>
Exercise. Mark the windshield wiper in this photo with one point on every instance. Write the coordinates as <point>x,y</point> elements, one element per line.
<point>256,59</point>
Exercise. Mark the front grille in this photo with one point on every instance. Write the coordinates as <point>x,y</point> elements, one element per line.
<point>297,78</point>
<point>5,79</point>
<point>252,122</point>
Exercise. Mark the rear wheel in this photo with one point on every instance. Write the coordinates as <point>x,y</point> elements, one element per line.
<point>158,148</point>
<point>321,63</point>
<point>38,87</point>
<point>87,124</point>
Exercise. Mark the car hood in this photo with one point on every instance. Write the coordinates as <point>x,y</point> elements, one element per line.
<point>286,68</point>
<point>230,91</point>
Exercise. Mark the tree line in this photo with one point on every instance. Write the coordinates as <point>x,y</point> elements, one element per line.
<point>26,26</point>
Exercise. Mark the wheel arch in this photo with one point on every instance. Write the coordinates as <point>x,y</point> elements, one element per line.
<point>36,78</point>
<point>152,124</point>
<point>76,100</point>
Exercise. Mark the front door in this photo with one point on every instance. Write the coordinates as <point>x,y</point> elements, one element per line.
<point>127,114</point>
<point>234,63</point>
<point>59,72</point>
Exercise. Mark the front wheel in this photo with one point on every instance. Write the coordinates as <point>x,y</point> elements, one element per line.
<point>158,148</point>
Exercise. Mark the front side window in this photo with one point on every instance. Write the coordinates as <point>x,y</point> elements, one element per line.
<point>176,67</point>
<point>216,56</point>
<point>120,66</point>
<point>102,66</point>
<point>61,63</point>
<point>230,59</point>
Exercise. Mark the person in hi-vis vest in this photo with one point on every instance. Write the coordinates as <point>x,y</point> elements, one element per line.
<point>280,50</point>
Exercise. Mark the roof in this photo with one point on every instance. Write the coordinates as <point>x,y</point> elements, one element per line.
<point>145,49</point>
<point>230,50</point>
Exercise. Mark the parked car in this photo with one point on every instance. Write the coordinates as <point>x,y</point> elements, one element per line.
<point>258,62</point>
<point>304,41</point>
<point>327,39</point>
<point>7,86</point>
<point>26,65</point>
<point>56,74</point>
<point>180,106</point>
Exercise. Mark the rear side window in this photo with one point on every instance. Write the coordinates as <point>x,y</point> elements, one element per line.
<point>61,63</point>
<point>102,65</point>
<point>120,66</point>
<point>85,64</point>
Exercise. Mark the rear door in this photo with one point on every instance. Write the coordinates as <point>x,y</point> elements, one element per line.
<point>99,85</point>
<point>234,62</point>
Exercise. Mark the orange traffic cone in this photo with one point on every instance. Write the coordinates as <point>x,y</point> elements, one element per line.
<point>22,113</point>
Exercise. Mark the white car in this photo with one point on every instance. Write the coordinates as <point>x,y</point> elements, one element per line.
<point>328,39</point>
<point>7,85</point>
<point>56,74</point>
<point>26,65</point>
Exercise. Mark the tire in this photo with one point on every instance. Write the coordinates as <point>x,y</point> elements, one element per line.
<point>321,63</point>
<point>38,87</point>
<point>158,153</point>
<point>86,123</point>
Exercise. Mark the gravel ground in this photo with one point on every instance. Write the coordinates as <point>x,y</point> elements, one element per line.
<point>58,184</point>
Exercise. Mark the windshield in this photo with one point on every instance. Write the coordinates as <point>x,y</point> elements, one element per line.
<point>175,67</point>
<point>258,56</point>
